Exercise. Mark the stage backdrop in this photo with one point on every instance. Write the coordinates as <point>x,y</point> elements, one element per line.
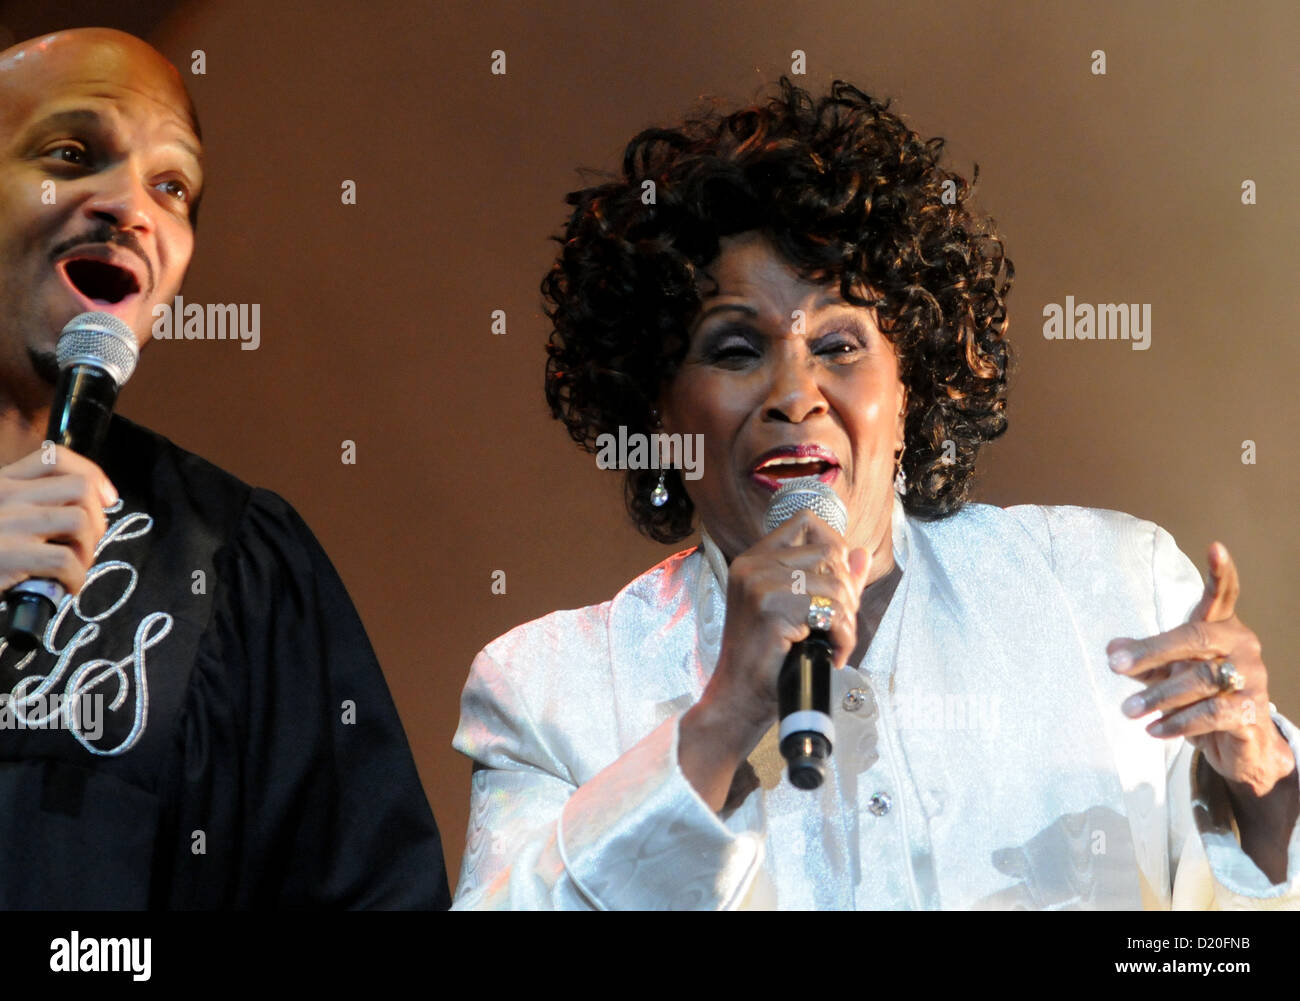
<point>376,317</point>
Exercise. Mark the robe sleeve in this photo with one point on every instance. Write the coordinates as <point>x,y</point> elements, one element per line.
<point>635,836</point>
<point>296,785</point>
<point>1211,871</point>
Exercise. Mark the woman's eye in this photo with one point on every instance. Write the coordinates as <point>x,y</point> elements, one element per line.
<point>732,350</point>
<point>839,349</point>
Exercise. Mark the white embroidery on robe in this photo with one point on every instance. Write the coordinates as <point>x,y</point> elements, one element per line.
<point>131,689</point>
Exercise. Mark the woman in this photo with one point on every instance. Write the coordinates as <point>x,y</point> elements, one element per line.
<point>802,286</point>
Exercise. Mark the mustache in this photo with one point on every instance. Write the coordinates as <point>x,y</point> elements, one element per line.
<point>104,233</point>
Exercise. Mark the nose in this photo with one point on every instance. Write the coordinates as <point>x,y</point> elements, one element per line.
<point>121,199</point>
<point>794,393</point>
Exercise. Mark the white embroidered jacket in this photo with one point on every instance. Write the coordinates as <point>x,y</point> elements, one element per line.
<point>980,761</point>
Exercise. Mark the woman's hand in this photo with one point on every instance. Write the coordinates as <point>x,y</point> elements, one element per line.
<point>1234,729</point>
<point>1231,726</point>
<point>769,590</point>
<point>51,517</point>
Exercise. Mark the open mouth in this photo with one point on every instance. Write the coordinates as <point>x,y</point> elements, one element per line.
<point>771,472</point>
<point>790,468</point>
<point>102,283</point>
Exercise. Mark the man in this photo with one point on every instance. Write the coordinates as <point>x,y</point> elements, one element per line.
<point>205,724</point>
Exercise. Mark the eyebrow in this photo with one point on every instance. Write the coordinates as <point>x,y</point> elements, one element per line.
<point>85,118</point>
<point>830,299</point>
<point>61,119</point>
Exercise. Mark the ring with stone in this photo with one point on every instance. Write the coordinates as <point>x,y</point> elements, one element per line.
<point>1228,677</point>
<point>820,613</point>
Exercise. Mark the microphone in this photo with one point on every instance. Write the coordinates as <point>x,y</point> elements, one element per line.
<point>97,353</point>
<point>804,684</point>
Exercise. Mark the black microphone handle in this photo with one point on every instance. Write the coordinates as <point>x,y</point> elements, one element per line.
<point>79,419</point>
<point>804,698</point>
<point>83,409</point>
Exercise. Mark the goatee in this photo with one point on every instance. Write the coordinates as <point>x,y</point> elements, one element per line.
<point>45,364</point>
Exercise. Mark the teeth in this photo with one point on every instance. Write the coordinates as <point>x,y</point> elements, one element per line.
<point>794,460</point>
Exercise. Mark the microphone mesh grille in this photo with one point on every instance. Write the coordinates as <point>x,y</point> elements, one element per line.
<point>806,493</point>
<point>102,340</point>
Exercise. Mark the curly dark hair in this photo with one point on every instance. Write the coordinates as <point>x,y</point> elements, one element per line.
<point>845,191</point>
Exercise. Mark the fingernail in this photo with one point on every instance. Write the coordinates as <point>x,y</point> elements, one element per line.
<point>108,494</point>
<point>1121,660</point>
<point>1134,705</point>
<point>1157,728</point>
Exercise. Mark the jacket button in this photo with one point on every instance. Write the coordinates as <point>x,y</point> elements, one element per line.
<point>880,803</point>
<point>860,700</point>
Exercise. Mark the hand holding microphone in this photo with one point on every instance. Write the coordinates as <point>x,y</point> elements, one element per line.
<point>771,588</point>
<point>804,685</point>
<point>51,512</point>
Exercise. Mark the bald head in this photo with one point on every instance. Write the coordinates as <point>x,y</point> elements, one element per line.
<point>101,173</point>
<point>38,64</point>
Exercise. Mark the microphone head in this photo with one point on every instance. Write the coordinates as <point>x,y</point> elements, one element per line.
<point>100,340</point>
<point>806,493</point>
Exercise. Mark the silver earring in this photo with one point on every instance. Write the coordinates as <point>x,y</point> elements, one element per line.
<point>659,495</point>
<point>900,481</point>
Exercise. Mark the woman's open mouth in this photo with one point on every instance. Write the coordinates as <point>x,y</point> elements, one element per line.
<point>782,464</point>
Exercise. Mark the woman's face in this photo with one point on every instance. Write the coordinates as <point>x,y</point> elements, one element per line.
<point>760,378</point>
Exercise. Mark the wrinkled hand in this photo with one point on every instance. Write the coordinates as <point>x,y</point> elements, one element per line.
<point>1234,730</point>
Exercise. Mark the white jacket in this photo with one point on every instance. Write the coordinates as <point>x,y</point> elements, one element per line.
<point>980,760</point>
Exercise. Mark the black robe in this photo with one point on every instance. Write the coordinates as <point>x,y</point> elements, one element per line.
<point>253,758</point>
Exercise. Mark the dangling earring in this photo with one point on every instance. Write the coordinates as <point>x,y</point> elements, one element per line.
<point>900,481</point>
<point>659,495</point>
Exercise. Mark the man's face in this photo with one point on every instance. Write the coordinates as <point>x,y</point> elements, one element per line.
<point>99,168</point>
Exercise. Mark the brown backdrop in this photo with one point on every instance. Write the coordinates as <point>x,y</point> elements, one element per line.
<point>375,317</point>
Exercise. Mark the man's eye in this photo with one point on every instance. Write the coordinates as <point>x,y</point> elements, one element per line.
<point>176,189</point>
<point>73,153</point>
